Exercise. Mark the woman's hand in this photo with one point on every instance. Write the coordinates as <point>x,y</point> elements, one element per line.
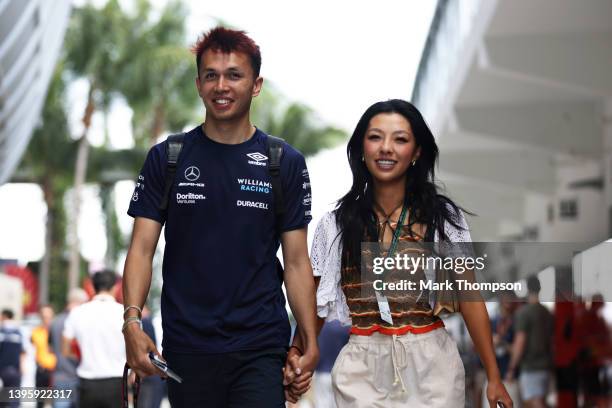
<point>298,373</point>
<point>293,356</point>
<point>496,392</point>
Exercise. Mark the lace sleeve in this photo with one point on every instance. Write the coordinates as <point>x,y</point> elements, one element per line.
<point>320,246</point>
<point>326,263</point>
<point>454,234</point>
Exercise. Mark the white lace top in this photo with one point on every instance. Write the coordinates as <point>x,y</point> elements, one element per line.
<point>326,258</point>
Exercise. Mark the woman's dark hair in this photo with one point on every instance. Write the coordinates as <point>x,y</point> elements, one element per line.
<point>355,211</point>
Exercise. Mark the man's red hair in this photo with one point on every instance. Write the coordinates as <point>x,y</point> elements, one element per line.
<point>227,40</point>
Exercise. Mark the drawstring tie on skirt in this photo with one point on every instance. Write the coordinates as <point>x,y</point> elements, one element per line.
<point>398,360</point>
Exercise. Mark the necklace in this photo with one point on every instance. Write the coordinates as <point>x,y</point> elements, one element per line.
<point>382,225</point>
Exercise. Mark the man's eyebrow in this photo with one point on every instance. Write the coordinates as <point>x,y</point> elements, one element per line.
<point>230,69</point>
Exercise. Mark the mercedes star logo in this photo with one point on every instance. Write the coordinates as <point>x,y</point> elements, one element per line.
<point>192,173</point>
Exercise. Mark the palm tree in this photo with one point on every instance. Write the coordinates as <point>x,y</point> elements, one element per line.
<point>158,80</point>
<point>95,43</point>
<point>48,163</point>
<point>294,122</point>
<point>107,167</point>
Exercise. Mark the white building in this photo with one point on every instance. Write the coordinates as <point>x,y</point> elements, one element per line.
<point>31,36</point>
<point>519,95</point>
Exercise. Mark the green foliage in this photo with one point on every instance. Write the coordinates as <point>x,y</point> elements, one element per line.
<point>158,79</point>
<point>48,163</point>
<point>58,282</point>
<point>114,238</point>
<point>95,45</point>
<point>294,122</point>
<point>49,156</point>
<point>110,166</point>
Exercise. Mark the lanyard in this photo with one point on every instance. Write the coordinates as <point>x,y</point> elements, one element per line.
<point>383,303</point>
<point>397,232</point>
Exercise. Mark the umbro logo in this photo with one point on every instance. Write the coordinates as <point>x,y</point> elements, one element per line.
<point>257,156</point>
<point>258,159</point>
<point>192,173</point>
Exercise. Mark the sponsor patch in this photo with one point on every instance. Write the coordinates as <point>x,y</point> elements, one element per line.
<point>258,159</point>
<point>254,185</point>
<point>192,173</point>
<point>252,204</point>
<point>201,185</point>
<point>189,198</point>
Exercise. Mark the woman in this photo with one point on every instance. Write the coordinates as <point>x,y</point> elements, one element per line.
<point>402,357</point>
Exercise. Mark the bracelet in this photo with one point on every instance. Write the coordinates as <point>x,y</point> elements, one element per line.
<point>297,348</point>
<point>132,319</point>
<point>132,307</point>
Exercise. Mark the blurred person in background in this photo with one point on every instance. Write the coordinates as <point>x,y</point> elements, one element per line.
<point>532,348</point>
<point>502,326</point>
<point>332,338</point>
<point>596,353</point>
<point>12,352</point>
<point>46,360</point>
<point>65,375</point>
<point>568,334</point>
<point>96,326</point>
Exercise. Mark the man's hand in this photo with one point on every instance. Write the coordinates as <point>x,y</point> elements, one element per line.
<point>298,372</point>
<point>137,347</point>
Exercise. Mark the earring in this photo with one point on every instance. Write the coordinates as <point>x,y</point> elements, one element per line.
<point>363,158</point>
<point>413,162</point>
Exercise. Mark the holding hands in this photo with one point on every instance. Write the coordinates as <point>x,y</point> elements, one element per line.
<point>298,372</point>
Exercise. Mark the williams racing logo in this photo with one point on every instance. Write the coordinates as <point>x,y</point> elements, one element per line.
<point>257,159</point>
<point>256,186</point>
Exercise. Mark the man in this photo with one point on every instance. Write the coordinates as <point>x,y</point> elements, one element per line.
<point>12,353</point>
<point>65,375</point>
<point>596,352</point>
<point>532,348</point>
<point>96,326</point>
<point>225,328</point>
